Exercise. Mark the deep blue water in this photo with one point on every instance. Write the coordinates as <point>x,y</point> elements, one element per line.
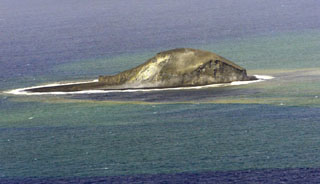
<point>248,176</point>
<point>39,35</point>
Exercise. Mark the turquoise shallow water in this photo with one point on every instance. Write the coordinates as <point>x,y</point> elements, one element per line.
<point>268,125</point>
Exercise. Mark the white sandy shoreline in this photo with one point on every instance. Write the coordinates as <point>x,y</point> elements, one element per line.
<point>23,91</point>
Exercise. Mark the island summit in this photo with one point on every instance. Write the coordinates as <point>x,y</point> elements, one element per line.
<point>174,68</point>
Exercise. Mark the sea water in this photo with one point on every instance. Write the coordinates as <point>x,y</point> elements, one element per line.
<point>265,127</point>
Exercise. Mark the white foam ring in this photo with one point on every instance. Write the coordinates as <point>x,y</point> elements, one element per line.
<point>23,91</point>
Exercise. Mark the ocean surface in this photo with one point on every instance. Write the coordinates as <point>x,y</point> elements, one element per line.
<point>264,132</point>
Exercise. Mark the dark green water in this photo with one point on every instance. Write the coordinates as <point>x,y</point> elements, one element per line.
<point>268,125</point>
<point>102,140</point>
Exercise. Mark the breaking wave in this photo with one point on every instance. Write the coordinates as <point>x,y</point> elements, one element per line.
<point>23,91</point>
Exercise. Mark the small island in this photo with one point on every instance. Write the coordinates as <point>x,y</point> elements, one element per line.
<point>181,67</point>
